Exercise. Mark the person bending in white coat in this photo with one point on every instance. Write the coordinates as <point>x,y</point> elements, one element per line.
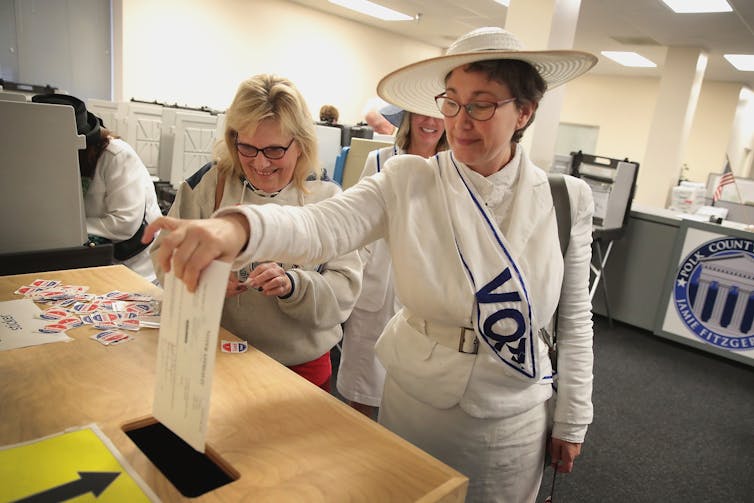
<point>477,264</point>
<point>361,376</point>
<point>119,195</point>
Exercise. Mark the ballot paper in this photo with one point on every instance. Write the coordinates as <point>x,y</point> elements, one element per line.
<point>186,353</point>
<point>19,325</point>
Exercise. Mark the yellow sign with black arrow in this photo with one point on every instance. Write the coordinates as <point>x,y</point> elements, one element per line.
<point>80,465</point>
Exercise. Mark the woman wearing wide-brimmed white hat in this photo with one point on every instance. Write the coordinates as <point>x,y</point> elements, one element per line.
<point>477,264</point>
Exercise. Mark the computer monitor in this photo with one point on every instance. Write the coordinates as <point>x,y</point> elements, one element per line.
<point>40,195</point>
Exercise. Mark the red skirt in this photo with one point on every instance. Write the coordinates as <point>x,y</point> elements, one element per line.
<point>317,371</point>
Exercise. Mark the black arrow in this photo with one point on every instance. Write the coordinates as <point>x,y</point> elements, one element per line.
<point>94,482</point>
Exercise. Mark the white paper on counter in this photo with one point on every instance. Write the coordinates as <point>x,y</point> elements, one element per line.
<point>186,353</point>
<point>18,326</point>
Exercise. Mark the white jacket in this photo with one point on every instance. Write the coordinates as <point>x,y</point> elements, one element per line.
<point>377,288</point>
<point>406,205</point>
<point>118,195</point>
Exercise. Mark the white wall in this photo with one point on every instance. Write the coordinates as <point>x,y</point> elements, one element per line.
<point>196,52</point>
<point>741,146</point>
<point>712,129</point>
<point>623,123</point>
<point>622,108</point>
<point>65,44</point>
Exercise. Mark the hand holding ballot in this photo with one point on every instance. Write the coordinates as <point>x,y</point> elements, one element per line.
<point>192,245</point>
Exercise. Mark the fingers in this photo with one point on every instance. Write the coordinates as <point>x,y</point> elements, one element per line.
<point>279,286</point>
<point>171,240</point>
<point>270,279</point>
<point>563,454</point>
<point>191,245</point>
<point>235,287</point>
<point>167,223</point>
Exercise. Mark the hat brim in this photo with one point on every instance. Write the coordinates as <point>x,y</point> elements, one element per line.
<point>413,87</point>
<point>393,114</point>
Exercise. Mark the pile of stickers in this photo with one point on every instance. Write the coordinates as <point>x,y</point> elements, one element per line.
<point>115,314</point>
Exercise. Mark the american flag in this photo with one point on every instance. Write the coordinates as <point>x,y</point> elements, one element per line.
<point>726,179</point>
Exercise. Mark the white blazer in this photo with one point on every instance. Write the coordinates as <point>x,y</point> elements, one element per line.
<point>406,205</point>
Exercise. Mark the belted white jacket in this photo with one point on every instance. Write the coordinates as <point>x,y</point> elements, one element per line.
<point>406,205</point>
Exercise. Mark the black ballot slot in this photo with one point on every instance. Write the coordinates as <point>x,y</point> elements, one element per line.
<point>191,472</point>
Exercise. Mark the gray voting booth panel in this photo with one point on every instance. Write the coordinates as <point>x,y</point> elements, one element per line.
<point>612,182</point>
<point>40,199</point>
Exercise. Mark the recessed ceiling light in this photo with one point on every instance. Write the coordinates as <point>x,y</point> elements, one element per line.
<point>743,62</point>
<point>692,6</point>
<point>504,2</point>
<point>627,58</point>
<point>373,9</point>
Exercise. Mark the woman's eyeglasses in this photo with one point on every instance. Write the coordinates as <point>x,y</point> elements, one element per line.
<point>272,152</point>
<point>477,110</point>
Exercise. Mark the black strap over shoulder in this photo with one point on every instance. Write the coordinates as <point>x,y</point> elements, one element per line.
<point>562,204</point>
<point>132,246</point>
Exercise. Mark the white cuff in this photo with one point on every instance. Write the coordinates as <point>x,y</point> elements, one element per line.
<point>574,433</point>
<point>244,257</point>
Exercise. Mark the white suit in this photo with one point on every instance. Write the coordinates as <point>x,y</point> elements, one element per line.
<point>407,204</point>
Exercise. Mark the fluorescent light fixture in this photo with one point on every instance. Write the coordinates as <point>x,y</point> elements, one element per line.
<point>373,9</point>
<point>743,62</point>
<point>627,58</point>
<point>503,2</point>
<point>695,6</point>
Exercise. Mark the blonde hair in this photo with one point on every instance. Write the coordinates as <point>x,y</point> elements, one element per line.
<point>269,97</point>
<point>403,136</point>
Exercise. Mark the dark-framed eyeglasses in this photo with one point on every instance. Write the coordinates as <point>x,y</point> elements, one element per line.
<point>477,110</point>
<point>272,152</point>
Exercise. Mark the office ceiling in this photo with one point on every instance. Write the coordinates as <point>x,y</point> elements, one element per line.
<point>644,26</point>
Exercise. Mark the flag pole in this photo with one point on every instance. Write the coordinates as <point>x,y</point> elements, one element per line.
<point>738,191</point>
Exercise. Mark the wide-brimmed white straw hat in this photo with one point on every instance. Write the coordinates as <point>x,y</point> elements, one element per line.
<point>413,87</point>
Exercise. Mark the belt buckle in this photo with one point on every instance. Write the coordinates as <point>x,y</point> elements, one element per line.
<point>462,342</point>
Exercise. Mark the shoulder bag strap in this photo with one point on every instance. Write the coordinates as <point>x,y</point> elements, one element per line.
<point>562,203</point>
<point>219,189</point>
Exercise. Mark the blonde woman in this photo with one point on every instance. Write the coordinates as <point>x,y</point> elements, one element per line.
<point>291,311</point>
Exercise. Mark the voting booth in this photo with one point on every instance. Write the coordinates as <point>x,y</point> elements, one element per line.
<point>355,158</point>
<point>143,132</point>
<point>613,183</point>
<point>112,113</point>
<point>186,143</point>
<point>328,141</point>
<point>41,196</point>
<point>44,226</point>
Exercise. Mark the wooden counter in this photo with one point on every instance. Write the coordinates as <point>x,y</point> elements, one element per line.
<point>289,440</point>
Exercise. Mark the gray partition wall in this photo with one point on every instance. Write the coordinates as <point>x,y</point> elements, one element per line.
<point>40,197</point>
<point>67,45</point>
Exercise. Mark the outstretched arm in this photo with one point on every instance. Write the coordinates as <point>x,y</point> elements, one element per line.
<point>189,246</point>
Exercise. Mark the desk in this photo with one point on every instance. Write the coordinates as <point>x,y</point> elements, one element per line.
<point>289,440</point>
<point>643,270</point>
